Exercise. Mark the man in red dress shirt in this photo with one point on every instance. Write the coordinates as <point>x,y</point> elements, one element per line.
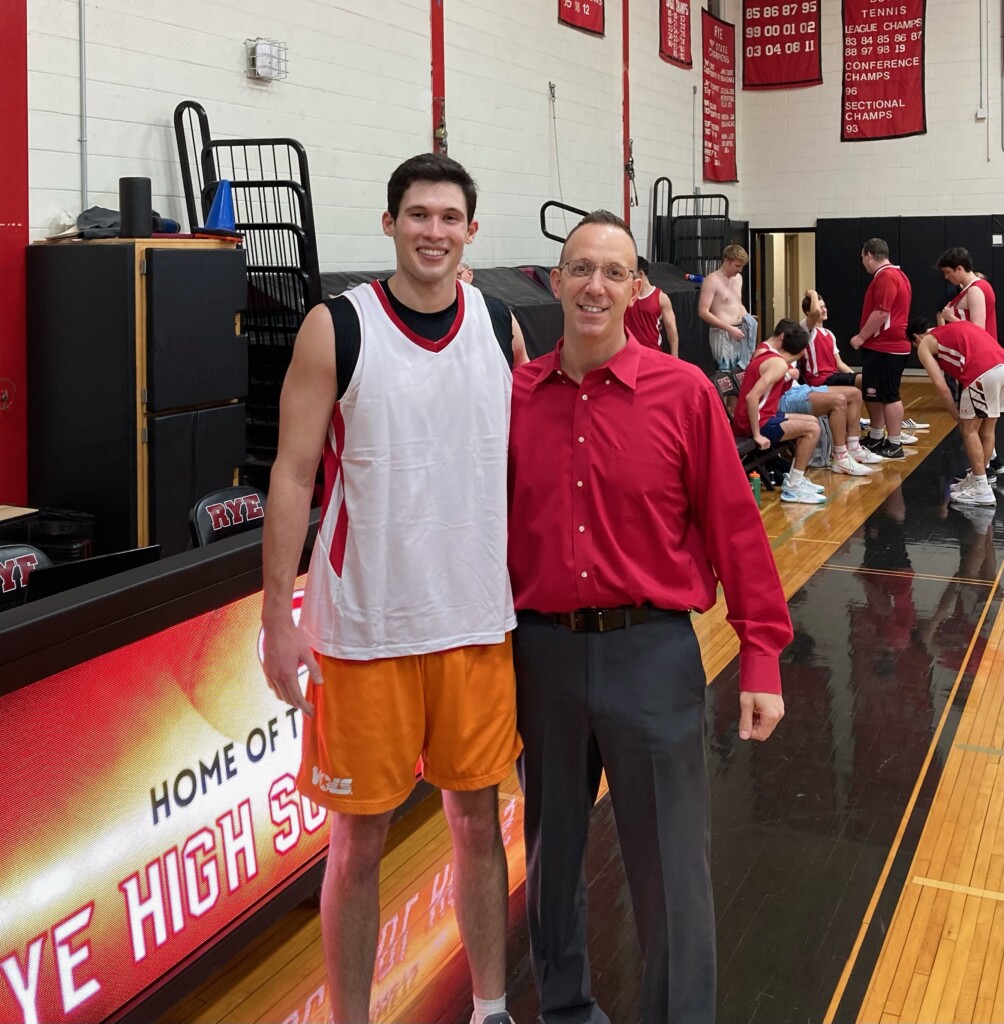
<point>885,349</point>
<point>628,504</point>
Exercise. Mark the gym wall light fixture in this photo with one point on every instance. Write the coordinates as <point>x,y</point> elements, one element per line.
<point>265,60</point>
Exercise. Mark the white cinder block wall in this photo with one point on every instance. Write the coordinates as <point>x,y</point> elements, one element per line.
<point>794,168</point>
<point>359,98</point>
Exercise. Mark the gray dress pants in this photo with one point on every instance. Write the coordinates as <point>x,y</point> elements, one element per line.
<point>632,702</point>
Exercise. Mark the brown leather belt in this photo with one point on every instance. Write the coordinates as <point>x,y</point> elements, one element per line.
<point>602,620</point>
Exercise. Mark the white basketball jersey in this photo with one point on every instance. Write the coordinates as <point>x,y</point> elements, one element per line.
<point>410,557</point>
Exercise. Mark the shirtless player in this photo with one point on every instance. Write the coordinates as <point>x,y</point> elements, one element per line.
<point>733,331</point>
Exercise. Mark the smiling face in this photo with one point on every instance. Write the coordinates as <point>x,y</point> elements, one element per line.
<point>594,306</point>
<point>430,232</point>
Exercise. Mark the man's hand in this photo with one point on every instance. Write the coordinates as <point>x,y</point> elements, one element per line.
<point>736,333</point>
<point>759,713</point>
<point>285,651</point>
<point>948,315</point>
<point>793,373</point>
<point>857,341</point>
<point>761,441</point>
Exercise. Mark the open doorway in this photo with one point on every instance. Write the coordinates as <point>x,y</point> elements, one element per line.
<point>784,265</point>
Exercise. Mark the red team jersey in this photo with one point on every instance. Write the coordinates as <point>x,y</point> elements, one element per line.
<point>966,351</point>
<point>991,301</point>
<point>819,362</point>
<point>889,290</point>
<point>768,404</point>
<point>642,319</point>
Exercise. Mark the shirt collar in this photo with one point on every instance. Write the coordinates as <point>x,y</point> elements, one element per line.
<point>624,365</point>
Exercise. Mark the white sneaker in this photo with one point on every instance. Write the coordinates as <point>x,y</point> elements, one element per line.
<point>865,422</point>
<point>975,495</point>
<point>962,484</point>
<point>818,488</point>
<point>849,466</point>
<point>916,425</point>
<point>864,456</point>
<point>905,438</point>
<point>804,493</point>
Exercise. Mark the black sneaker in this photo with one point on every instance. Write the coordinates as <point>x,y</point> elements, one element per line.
<point>873,444</point>
<point>888,450</point>
<point>996,467</point>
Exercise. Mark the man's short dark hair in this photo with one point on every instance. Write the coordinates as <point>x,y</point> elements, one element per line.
<point>430,167</point>
<point>807,302</point>
<point>794,338</point>
<point>601,217</point>
<point>642,265</point>
<point>918,325</point>
<point>956,257</point>
<point>876,247</point>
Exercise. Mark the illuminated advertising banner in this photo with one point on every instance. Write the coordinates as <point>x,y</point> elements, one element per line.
<point>883,94</point>
<point>674,33</point>
<point>781,45</point>
<point>150,803</point>
<point>584,14</point>
<point>719,49</point>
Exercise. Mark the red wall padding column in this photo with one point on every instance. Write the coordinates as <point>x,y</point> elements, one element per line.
<point>13,239</point>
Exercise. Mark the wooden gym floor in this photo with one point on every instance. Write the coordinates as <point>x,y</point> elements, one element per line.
<point>858,856</point>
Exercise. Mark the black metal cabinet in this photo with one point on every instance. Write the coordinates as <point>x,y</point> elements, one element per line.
<point>136,373</point>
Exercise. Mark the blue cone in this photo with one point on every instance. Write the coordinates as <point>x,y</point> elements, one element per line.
<point>221,213</point>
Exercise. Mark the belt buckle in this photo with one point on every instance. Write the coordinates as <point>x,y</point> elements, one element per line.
<point>575,623</point>
<point>601,627</point>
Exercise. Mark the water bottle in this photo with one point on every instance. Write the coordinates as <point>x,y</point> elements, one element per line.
<point>696,278</point>
<point>755,485</point>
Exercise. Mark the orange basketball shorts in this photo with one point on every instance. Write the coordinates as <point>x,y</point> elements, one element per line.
<point>373,719</point>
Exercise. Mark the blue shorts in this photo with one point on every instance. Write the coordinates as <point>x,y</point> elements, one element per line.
<point>773,429</point>
<point>796,398</point>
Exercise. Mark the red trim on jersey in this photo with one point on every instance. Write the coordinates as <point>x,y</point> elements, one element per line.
<point>332,470</point>
<point>990,301</point>
<point>430,346</point>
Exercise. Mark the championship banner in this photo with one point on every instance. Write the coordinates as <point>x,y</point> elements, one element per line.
<point>883,94</point>
<point>584,14</point>
<point>674,33</point>
<point>719,48</point>
<point>151,804</point>
<point>781,45</point>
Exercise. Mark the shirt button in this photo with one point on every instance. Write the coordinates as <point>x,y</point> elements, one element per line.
<point>607,381</point>
<point>582,529</point>
<point>585,398</point>
<point>578,483</point>
<point>585,574</point>
<point>582,440</point>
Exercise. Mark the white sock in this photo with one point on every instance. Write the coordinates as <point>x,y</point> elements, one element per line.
<point>840,451</point>
<point>795,476</point>
<point>486,1007</point>
<point>876,434</point>
<point>898,439</point>
<point>853,442</point>
<point>981,483</point>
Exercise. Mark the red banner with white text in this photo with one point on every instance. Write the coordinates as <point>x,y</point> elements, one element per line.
<point>584,14</point>
<point>718,40</point>
<point>781,45</point>
<point>674,33</point>
<point>883,93</point>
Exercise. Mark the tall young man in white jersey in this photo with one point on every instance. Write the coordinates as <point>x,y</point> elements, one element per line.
<point>402,387</point>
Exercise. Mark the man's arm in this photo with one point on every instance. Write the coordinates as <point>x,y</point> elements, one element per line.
<point>669,323</point>
<point>519,353</point>
<point>841,365</point>
<point>728,519</point>
<point>814,316</point>
<point>976,303</point>
<point>709,290</point>
<point>308,396</point>
<point>871,327</point>
<point>925,353</point>
<point>771,372</point>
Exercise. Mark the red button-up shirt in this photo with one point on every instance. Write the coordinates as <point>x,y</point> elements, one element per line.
<point>627,488</point>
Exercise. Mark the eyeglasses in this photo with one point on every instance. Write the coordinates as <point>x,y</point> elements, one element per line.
<point>583,268</point>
